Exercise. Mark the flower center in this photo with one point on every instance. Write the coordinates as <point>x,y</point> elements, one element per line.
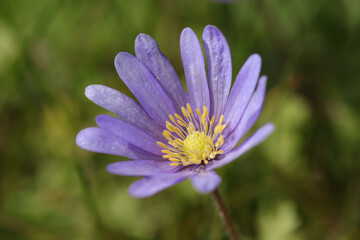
<point>192,139</point>
<point>197,143</point>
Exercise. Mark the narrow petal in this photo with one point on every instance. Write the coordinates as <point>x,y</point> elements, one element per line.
<point>123,106</point>
<point>249,117</point>
<point>158,168</point>
<point>206,182</point>
<point>194,67</point>
<point>219,69</point>
<point>260,135</point>
<point>147,50</point>
<point>142,168</point>
<point>149,186</point>
<point>102,141</point>
<point>242,91</point>
<point>129,133</point>
<point>145,87</point>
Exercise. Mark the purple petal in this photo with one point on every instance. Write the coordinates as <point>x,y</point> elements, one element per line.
<point>260,135</point>
<point>129,133</point>
<point>194,67</point>
<point>206,181</point>
<point>102,141</point>
<point>219,69</point>
<point>149,186</point>
<point>145,87</point>
<point>123,106</point>
<point>242,91</point>
<point>159,168</point>
<point>249,117</point>
<point>142,168</point>
<point>147,50</point>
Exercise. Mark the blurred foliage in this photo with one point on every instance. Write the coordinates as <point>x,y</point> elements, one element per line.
<point>302,183</point>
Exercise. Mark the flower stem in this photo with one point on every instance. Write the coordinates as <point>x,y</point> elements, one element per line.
<point>224,215</point>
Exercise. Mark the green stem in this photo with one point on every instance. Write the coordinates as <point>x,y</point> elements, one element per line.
<point>224,215</point>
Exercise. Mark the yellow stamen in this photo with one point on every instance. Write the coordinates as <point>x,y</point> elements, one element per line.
<point>190,139</point>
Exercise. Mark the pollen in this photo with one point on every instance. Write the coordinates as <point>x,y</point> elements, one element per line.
<point>192,138</point>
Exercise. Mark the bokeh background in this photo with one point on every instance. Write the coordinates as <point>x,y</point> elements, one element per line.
<point>302,183</point>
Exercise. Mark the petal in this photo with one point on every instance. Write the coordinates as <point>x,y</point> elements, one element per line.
<point>260,135</point>
<point>123,106</point>
<point>159,168</point>
<point>219,69</point>
<point>206,182</point>
<point>242,91</point>
<point>194,67</point>
<point>149,186</point>
<point>102,141</point>
<point>129,133</point>
<point>147,50</point>
<point>145,87</point>
<point>142,168</point>
<point>249,117</point>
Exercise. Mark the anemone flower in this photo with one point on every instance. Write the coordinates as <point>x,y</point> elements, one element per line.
<point>173,135</point>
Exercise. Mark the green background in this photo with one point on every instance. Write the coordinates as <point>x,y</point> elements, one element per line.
<point>302,183</point>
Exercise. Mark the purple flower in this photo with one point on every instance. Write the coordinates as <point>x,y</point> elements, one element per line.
<point>173,135</point>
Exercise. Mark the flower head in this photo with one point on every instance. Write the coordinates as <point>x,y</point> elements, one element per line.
<point>173,135</point>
